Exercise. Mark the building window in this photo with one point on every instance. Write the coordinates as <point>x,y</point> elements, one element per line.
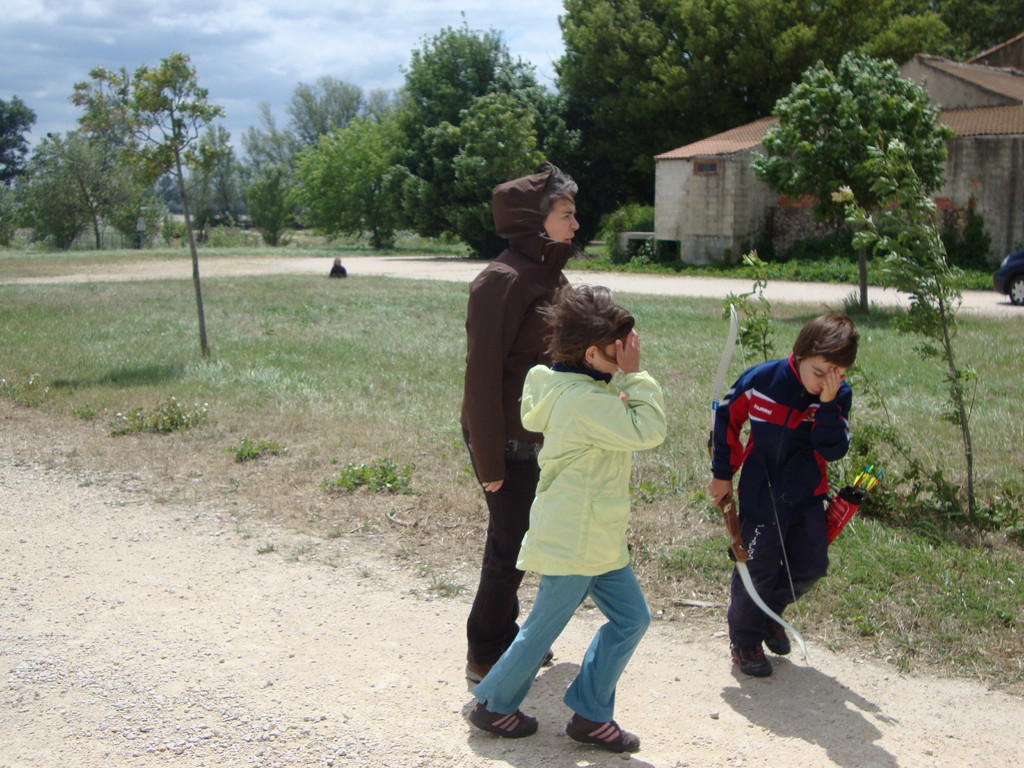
<point>705,167</point>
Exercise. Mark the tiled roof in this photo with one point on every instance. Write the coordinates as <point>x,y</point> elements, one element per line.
<point>985,121</point>
<point>981,57</point>
<point>982,121</point>
<point>1004,81</point>
<point>728,143</point>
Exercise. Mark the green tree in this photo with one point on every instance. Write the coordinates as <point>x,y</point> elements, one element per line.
<point>62,194</point>
<point>908,34</point>
<point>447,181</point>
<point>497,141</point>
<point>977,25</point>
<point>270,146</point>
<point>10,214</point>
<point>79,177</point>
<point>348,183</point>
<point>380,103</point>
<point>885,29</point>
<point>641,77</point>
<point>827,126</point>
<point>900,228</point>
<point>16,119</point>
<point>315,110</point>
<point>215,184</point>
<point>133,202</point>
<point>318,108</point>
<point>164,110</point>
<point>270,199</point>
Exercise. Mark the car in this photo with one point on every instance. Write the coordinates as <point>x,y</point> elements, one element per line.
<point>1009,278</point>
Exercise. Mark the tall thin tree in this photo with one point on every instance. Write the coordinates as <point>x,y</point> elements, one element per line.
<point>163,110</point>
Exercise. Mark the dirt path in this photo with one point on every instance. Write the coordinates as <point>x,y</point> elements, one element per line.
<point>139,634</point>
<point>464,270</point>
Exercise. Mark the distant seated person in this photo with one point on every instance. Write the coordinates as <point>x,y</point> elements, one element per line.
<point>337,270</point>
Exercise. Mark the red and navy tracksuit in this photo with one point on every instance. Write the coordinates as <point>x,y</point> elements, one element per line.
<point>782,487</point>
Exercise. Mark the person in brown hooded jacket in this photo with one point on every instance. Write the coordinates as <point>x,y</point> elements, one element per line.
<point>505,338</point>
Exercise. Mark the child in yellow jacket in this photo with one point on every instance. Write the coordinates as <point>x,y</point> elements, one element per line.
<point>578,521</point>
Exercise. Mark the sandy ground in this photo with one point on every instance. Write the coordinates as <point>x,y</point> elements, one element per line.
<point>464,270</point>
<point>139,634</point>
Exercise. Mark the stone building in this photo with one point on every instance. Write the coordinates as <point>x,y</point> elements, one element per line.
<point>1008,54</point>
<point>708,200</point>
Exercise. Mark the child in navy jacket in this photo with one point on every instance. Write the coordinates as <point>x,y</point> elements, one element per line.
<point>798,409</point>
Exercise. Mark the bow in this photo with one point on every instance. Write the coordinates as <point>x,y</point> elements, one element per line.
<point>728,505</point>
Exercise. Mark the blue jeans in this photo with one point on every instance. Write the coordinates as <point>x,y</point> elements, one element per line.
<point>592,694</point>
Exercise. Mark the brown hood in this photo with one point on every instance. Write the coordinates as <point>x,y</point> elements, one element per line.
<point>517,218</point>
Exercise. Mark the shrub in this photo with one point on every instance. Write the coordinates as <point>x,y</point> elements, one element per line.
<point>248,449</point>
<point>31,394</point>
<point>85,412</point>
<point>230,237</point>
<point>172,229</point>
<point>970,247</point>
<point>631,217</point>
<point>838,244</point>
<point>382,477</point>
<point>167,417</point>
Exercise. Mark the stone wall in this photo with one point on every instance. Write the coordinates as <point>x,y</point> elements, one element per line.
<point>991,171</point>
<point>948,92</point>
<point>1009,54</point>
<point>709,215</point>
<point>714,216</point>
<point>786,223</point>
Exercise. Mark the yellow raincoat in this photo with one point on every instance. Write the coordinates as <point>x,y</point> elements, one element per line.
<point>578,520</point>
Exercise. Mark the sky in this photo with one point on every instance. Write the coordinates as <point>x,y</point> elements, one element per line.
<point>245,53</point>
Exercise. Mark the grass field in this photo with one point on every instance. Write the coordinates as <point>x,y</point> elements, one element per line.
<point>368,371</point>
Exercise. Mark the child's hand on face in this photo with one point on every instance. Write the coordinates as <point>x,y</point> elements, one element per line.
<point>627,354</point>
<point>830,384</point>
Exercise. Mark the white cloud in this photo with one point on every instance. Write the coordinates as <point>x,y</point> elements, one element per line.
<point>246,52</point>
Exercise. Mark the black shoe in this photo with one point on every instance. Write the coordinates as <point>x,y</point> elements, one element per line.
<point>752,661</point>
<point>776,639</point>
<point>604,735</point>
<point>513,726</point>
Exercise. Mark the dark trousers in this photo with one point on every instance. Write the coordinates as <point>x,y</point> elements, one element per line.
<point>492,626</point>
<point>802,535</point>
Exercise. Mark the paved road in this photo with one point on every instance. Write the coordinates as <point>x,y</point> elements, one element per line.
<point>822,294</point>
<point>463,270</point>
